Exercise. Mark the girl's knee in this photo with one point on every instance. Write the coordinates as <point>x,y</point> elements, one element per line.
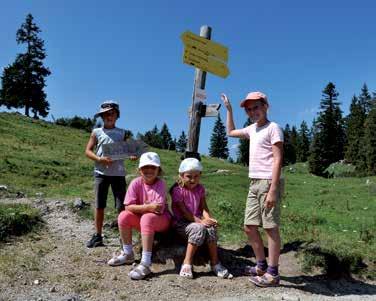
<point>126,219</point>
<point>148,218</point>
<point>250,229</point>
<point>197,235</point>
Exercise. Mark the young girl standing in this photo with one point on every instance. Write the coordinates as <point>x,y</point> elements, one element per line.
<point>106,171</point>
<point>192,217</point>
<point>145,210</point>
<point>263,203</point>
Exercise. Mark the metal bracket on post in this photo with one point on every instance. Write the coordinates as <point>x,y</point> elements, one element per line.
<point>202,109</point>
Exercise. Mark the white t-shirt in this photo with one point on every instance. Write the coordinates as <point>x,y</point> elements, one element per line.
<point>261,140</point>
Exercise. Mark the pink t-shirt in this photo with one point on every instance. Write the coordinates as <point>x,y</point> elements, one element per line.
<point>261,140</point>
<point>191,198</point>
<point>139,193</point>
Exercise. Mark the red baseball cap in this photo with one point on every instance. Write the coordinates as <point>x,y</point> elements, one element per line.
<point>254,96</point>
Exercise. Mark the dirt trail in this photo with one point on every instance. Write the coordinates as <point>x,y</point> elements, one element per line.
<point>58,266</point>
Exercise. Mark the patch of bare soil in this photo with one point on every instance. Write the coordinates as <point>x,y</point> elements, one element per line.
<point>55,264</point>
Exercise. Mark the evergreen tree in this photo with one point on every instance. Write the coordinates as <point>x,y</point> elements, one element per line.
<point>172,145</point>
<point>243,150</point>
<point>166,137</point>
<point>329,137</point>
<point>24,80</point>
<point>355,131</point>
<point>370,141</point>
<point>365,99</point>
<point>181,145</point>
<point>153,138</point>
<point>289,145</point>
<point>218,141</point>
<point>303,141</point>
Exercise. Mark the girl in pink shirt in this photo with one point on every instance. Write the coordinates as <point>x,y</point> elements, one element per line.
<point>145,210</point>
<point>263,202</point>
<point>192,218</point>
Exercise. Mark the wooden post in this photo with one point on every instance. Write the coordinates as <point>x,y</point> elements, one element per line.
<point>195,121</point>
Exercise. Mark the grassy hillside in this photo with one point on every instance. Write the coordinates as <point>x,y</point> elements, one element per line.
<point>333,220</point>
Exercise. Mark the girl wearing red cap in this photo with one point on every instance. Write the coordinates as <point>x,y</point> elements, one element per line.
<point>263,202</point>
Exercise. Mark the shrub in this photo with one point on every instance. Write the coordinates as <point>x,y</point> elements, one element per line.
<point>17,219</point>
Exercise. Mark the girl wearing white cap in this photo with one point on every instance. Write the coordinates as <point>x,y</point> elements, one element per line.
<point>192,218</point>
<point>263,202</point>
<point>145,210</point>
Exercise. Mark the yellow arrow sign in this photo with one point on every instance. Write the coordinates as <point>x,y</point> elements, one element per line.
<point>204,62</point>
<point>209,47</point>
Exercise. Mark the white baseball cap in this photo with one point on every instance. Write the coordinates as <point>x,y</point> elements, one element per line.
<point>190,164</point>
<point>149,158</point>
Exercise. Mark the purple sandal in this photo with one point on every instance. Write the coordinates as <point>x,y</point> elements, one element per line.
<point>267,280</point>
<point>254,271</point>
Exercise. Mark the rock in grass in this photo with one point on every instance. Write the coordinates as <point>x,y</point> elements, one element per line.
<point>79,204</point>
<point>20,195</point>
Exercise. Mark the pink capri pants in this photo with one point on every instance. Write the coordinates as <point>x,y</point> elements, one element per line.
<point>147,223</point>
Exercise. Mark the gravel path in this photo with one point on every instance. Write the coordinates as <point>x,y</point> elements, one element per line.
<point>56,265</point>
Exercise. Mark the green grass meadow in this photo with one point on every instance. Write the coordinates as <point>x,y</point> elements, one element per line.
<point>327,218</point>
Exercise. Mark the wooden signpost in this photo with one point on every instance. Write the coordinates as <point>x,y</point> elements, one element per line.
<point>206,56</point>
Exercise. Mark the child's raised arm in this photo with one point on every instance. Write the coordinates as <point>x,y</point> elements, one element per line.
<point>230,126</point>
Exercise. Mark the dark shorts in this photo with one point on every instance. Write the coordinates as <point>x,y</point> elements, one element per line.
<point>118,187</point>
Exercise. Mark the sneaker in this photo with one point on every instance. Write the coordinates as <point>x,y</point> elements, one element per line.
<point>139,272</point>
<point>266,280</point>
<point>254,271</point>
<point>220,271</point>
<point>95,241</point>
<point>121,259</point>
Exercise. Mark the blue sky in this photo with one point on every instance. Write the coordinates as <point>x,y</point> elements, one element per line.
<point>131,51</point>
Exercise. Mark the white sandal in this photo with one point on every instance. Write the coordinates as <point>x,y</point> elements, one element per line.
<point>121,259</point>
<point>139,272</point>
<point>186,271</point>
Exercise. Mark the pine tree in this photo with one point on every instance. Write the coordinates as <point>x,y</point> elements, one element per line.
<point>303,141</point>
<point>289,145</point>
<point>370,141</point>
<point>365,99</point>
<point>218,141</point>
<point>172,145</point>
<point>181,145</point>
<point>243,149</point>
<point>355,131</point>
<point>24,80</point>
<point>153,138</point>
<point>166,137</point>
<point>329,137</point>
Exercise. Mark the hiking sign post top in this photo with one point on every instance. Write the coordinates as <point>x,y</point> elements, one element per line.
<point>205,54</point>
<point>208,46</point>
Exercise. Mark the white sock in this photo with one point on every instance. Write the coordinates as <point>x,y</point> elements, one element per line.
<point>128,249</point>
<point>146,258</point>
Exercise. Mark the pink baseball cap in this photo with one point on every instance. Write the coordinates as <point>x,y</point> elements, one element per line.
<point>254,96</point>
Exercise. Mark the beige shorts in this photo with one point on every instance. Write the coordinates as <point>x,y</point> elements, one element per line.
<point>256,214</point>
